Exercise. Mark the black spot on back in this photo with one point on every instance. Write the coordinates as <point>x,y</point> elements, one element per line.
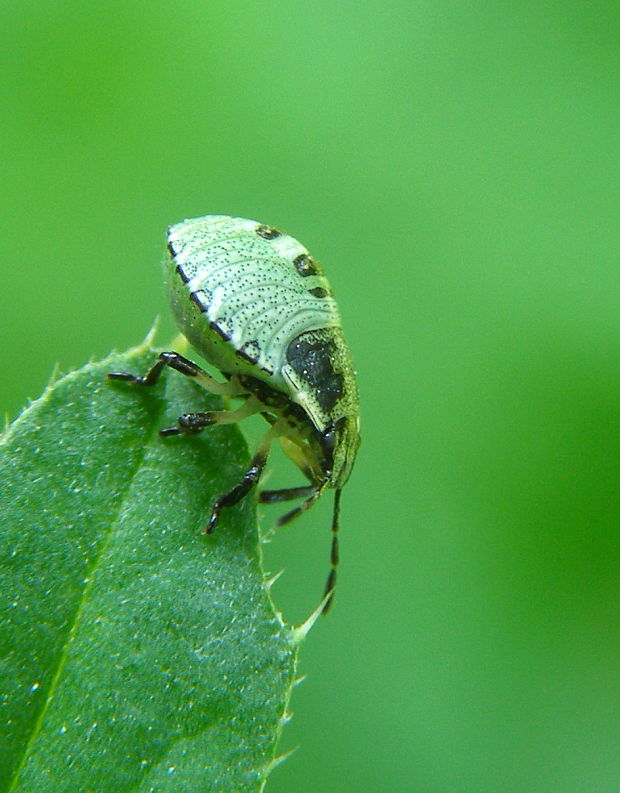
<point>305,265</point>
<point>222,333</point>
<point>181,274</point>
<point>199,299</point>
<point>314,360</point>
<point>249,351</point>
<point>318,291</point>
<point>268,232</point>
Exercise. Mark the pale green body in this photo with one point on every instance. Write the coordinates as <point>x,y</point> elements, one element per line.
<point>255,304</point>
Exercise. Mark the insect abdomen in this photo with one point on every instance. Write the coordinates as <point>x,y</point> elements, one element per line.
<point>255,293</point>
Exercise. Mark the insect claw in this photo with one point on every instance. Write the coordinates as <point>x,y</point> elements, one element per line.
<point>124,376</point>
<point>212,522</point>
<point>166,431</point>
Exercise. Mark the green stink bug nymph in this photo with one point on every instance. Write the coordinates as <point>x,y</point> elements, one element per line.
<point>258,307</point>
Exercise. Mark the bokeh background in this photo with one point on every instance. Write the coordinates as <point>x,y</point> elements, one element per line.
<point>455,166</point>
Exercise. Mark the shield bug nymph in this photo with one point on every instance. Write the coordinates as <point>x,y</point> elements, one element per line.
<point>258,307</point>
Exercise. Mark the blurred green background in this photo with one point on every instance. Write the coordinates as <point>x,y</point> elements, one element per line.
<point>455,166</point>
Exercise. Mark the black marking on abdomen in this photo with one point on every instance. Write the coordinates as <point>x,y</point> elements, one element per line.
<point>312,356</point>
<point>274,400</point>
<point>305,265</point>
<point>318,291</point>
<point>181,274</point>
<point>171,250</point>
<point>198,298</point>
<point>268,232</point>
<point>249,351</point>
<point>222,333</point>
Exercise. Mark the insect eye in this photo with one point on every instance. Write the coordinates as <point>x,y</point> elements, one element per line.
<point>328,441</point>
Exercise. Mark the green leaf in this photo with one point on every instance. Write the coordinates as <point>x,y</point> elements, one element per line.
<point>136,654</point>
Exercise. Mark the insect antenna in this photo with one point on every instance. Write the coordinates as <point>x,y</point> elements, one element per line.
<point>330,586</point>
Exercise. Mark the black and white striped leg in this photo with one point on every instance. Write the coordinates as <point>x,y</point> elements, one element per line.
<point>330,586</point>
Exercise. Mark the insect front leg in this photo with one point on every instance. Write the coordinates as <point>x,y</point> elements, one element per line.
<point>313,497</point>
<point>288,494</point>
<point>193,423</point>
<point>182,365</point>
<point>248,481</point>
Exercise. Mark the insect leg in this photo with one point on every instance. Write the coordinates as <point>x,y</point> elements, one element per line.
<point>182,365</point>
<point>297,455</point>
<point>193,423</point>
<point>248,481</point>
<point>275,496</point>
<point>315,493</point>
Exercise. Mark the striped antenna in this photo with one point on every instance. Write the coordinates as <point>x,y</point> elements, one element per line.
<point>330,586</point>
